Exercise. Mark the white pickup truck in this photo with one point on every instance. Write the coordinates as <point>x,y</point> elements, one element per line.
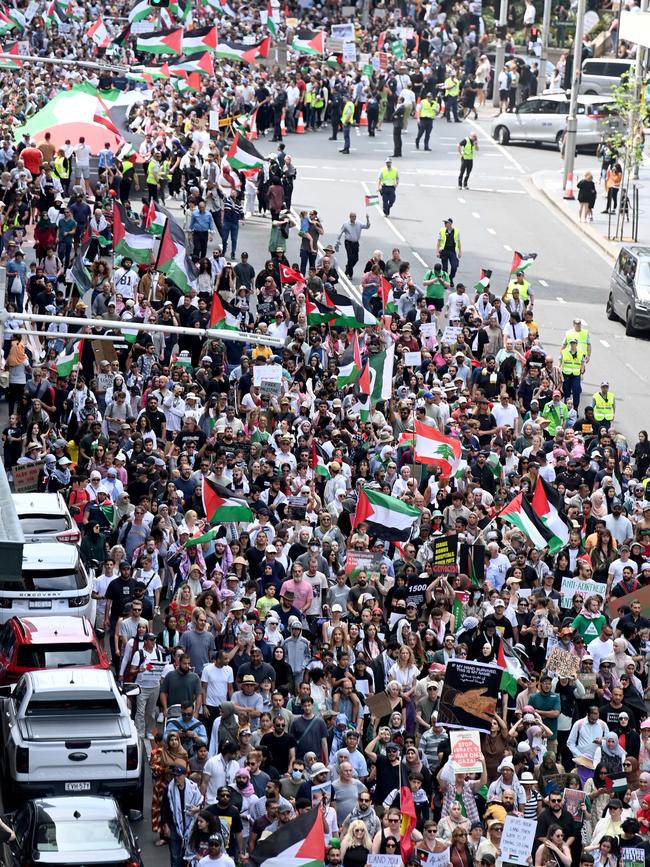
<point>69,731</point>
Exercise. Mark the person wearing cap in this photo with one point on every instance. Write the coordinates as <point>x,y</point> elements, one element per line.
<point>555,412</point>
<point>573,364</point>
<point>547,705</point>
<point>604,405</point>
<point>216,856</point>
<point>387,184</point>
<point>449,249</point>
<point>145,669</point>
<point>181,802</point>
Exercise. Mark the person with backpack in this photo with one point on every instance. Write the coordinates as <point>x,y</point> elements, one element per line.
<point>145,669</point>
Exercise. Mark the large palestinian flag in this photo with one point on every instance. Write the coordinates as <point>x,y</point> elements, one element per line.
<point>237,51</point>
<point>221,505</point>
<point>349,364</point>
<point>349,314</point>
<point>244,155</point>
<point>201,63</point>
<point>200,39</point>
<point>223,315</point>
<point>520,513</point>
<point>161,41</point>
<point>173,260</point>
<point>545,504</point>
<point>301,843</point>
<point>386,517</point>
<point>309,41</point>
<point>129,239</point>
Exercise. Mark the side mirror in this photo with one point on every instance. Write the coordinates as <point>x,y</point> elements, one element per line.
<point>7,691</point>
<point>135,816</point>
<point>130,689</point>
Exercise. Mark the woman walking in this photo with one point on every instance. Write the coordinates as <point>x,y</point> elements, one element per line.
<point>586,198</point>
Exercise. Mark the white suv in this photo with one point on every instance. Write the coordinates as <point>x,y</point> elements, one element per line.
<point>54,581</point>
<point>46,518</point>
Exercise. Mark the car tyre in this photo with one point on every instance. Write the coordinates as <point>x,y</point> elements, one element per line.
<point>609,309</point>
<point>630,327</point>
<point>502,135</point>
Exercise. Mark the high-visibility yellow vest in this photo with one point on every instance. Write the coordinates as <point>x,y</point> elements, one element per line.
<point>581,336</point>
<point>523,289</point>
<point>388,177</point>
<point>319,102</point>
<point>571,365</point>
<point>604,407</point>
<point>443,238</point>
<point>62,168</point>
<point>428,108</point>
<point>452,87</point>
<point>347,115</point>
<point>467,150</point>
<point>153,172</point>
<point>126,165</point>
<point>165,174</point>
<point>309,96</point>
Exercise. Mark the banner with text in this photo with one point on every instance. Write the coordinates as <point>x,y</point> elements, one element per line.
<point>469,695</point>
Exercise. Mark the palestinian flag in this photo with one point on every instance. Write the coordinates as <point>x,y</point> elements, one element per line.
<point>385,292</point>
<point>222,315</point>
<point>101,115</point>
<point>319,460</point>
<point>99,34</point>
<point>155,220</point>
<point>153,72</point>
<point>386,517</point>
<point>545,504</point>
<point>436,449</point>
<point>270,23</point>
<point>140,12</point>
<point>381,375</point>
<point>129,239</point>
<point>349,364</point>
<point>244,155</point>
<point>289,276</point>
<point>122,37</point>
<point>521,261</point>
<point>209,536</point>
<point>300,843</point>
<point>220,6</point>
<point>371,201</point>
<point>79,271</point>
<point>6,62</point>
<point>17,16</point>
<point>200,39</point>
<point>67,361</point>
<point>309,41</point>
<point>172,258</point>
<point>190,81</point>
<point>471,561</point>
<point>520,514</point>
<point>201,63</point>
<point>494,465</point>
<point>161,41</point>
<point>349,314</point>
<point>484,282</point>
<point>236,51</point>
<point>221,505</point>
<point>317,313</point>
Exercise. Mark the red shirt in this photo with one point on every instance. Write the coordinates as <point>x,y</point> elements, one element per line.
<point>32,158</point>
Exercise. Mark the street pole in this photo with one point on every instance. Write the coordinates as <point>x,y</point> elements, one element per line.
<point>546,27</point>
<point>572,120</point>
<point>501,51</point>
<point>60,61</point>
<point>640,61</point>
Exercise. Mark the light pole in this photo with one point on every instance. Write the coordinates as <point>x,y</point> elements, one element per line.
<point>546,26</point>
<point>576,73</point>
<point>501,50</point>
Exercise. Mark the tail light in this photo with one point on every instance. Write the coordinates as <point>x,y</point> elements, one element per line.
<point>132,756</point>
<point>132,864</point>
<point>79,601</point>
<point>596,116</point>
<point>22,760</point>
<point>70,536</point>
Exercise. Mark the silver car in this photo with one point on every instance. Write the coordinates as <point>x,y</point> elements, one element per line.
<point>542,120</point>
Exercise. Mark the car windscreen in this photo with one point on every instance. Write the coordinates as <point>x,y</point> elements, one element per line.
<point>80,835</point>
<point>43,525</point>
<point>67,707</point>
<point>643,280</point>
<point>59,656</point>
<point>54,579</point>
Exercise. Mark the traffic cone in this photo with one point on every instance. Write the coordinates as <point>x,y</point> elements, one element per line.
<point>568,190</point>
<point>418,105</point>
<point>363,120</point>
<point>300,126</point>
<point>252,132</point>
<point>283,128</point>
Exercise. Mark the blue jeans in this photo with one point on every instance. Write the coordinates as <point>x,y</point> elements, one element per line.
<point>346,137</point>
<point>230,229</point>
<point>307,257</point>
<point>176,849</point>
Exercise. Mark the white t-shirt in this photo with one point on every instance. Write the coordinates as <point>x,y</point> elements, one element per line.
<point>457,303</point>
<point>318,583</point>
<point>220,773</point>
<point>505,414</point>
<point>125,282</point>
<point>217,680</point>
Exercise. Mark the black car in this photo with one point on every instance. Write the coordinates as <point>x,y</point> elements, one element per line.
<point>72,831</point>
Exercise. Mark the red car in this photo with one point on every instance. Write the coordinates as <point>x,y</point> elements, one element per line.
<point>28,644</point>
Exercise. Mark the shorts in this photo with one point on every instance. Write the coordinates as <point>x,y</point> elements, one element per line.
<point>436,303</point>
<point>82,172</point>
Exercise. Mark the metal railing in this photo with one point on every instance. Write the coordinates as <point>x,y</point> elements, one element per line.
<point>626,216</point>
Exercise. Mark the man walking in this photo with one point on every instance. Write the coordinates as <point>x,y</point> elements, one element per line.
<point>398,126</point>
<point>572,365</point>
<point>467,147</point>
<point>448,248</point>
<point>428,111</point>
<point>387,186</point>
<point>351,234</point>
<point>146,668</point>
<point>201,228</point>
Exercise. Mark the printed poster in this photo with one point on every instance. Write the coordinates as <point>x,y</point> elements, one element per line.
<point>469,695</point>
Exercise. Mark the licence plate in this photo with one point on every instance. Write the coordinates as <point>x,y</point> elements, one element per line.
<point>77,787</point>
<point>40,603</point>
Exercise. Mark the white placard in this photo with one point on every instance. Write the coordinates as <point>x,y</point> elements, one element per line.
<point>384,861</point>
<point>213,120</point>
<point>429,329</point>
<point>267,373</point>
<point>450,334</point>
<point>142,27</point>
<point>343,31</point>
<point>466,751</point>
<point>31,10</point>
<point>349,52</point>
<point>412,359</point>
<point>518,839</point>
<point>571,586</point>
<point>433,859</point>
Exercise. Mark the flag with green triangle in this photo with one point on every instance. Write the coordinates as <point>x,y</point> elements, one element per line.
<point>67,360</point>
<point>319,460</point>
<point>222,505</point>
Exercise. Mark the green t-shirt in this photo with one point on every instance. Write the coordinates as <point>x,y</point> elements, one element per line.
<point>589,628</point>
<point>547,702</point>
<point>436,290</point>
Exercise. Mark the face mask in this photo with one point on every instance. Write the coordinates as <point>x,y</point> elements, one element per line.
<point>296,775</point>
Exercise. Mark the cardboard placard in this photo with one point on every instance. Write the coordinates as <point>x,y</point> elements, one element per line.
<point>26,477</point>
<point>573,801</point>
<point>384,860</point>
<point>450,334</point>
<point>469,695</point>
<point>428,329</point>
<point>267,373</point>
<point>571,586</point>
<point>272,389</point>
<point>518,839</point>
<point>562,663</point>
<point>383,61</point>
<point>297,506</point>
<point>104,350</point>
<point>432,859</point>
<point>445,552</point>
<point>379,704</point>
<point>466,752</point>
<point>412,359</point>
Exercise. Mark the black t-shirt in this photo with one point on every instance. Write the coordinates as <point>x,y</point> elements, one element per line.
<point>119,592</point>
<point>610,714</point>
<point>156,420</point>
<point>548,818</point>
<point>279,749</point>
<point>231,824</point>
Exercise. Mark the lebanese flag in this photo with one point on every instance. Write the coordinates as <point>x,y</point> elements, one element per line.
<point>436,449</point>
<point>99,34</point>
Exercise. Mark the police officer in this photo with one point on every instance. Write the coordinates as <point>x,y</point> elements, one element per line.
<point>466,148</point>
<point>572,365</point>
<point>452,89</point>
<point>398,123</point>
<point>428,111</point>
<point>387,186</point>
<point>448,248</point>
<point>336,102</point>
<point>604,405</point>
<point>582,336</point>
<point>347,121</point>
<point>526,294</point>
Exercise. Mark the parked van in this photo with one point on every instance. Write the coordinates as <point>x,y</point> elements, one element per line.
<point>600,75</point>
<point>55,581</point>
<point>629,289</point>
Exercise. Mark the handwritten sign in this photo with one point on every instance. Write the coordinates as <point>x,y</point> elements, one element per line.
<point>384,861</point>
<point>562,663</point>
<point>26,477</point>
<point>267,373</point>
<point>433,859</point>
<point>412,359</point>
<point>466,752</point>
<point>450,334</point>
<point>321,794</point>
<point>571,586</point>
<point>517,839</point>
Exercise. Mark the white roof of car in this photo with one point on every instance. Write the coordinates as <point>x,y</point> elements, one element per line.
<point>68,679</point>
<point>48,555</point>
<point>43,504</point>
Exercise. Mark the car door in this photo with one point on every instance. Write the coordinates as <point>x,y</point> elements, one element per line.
<point>549,121</point>
<point>524,120</point>
<point>617,283</point>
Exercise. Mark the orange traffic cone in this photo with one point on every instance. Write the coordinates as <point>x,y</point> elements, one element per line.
<point>363,120</point>
<point>283,128</point>
<point>252,132</point>
<point>568,190</point>
<point>300,126</point>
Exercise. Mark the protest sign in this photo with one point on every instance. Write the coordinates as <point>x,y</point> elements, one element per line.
<point>384,861</point>
<point>344,32</point>
<point>573,800</point>
<point>466,752</point>
<point>213,122</point>
<point>642,595</point>
<point>428,329</point>
<point>471,562</point>
<point>383,60</point>
<point>469,695</point>
<point>26,477</point>
<point>444,553</point>
<point>571,586</point>
<point>450,334</point>
<point>321,793</point>
<point>270,388</point>
<point>349,52</point>
<point>379,704</point>
<point>357,561</point>
<point>297,506</point>
<point>267,372</point>
<point>553,782</point>
<point>517,839</point>
<point>588,680</point>
<point>416,589</point>
<point>412,359</point>
<point>562,663</point>
<point>432,859</point>
<point>631,856</point>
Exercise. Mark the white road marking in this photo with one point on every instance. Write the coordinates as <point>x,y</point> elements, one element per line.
<point>543,283</point>
<point>635,372</point>
<point>391,225</point>
<point>507,247</point>
<point>420,259</point>
<point>560,299</point>
<point>476,215</point>
<point>461,200</point>
<point>499,147</point>
<point>492,231</point>
<point>605,344</point>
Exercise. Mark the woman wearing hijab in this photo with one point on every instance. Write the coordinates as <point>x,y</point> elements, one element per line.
<point>164,755</point>
<point>611,754</point>
<point>282,669</point>
<point>226,728</point>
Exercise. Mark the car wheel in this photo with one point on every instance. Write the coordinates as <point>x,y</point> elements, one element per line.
<point>630,327</point>
<point>609,309</point>
<point>502,135</point>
